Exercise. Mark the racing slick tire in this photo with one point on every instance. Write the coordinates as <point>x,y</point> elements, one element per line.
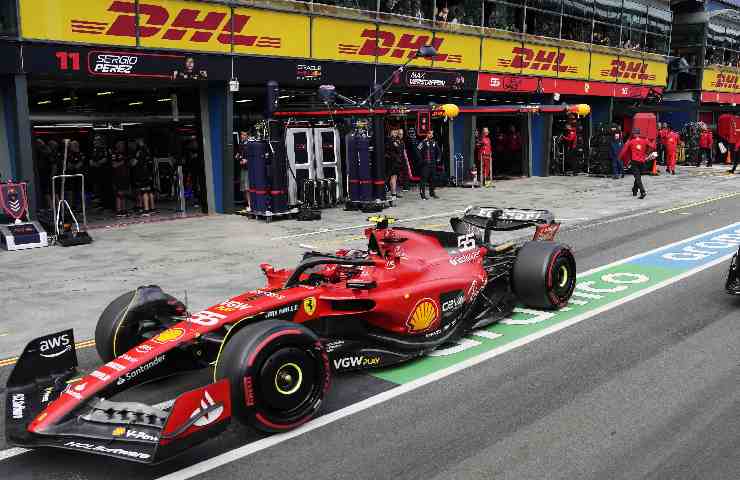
<point>131,318</point>
<point>279,374</point>
<point>544,275</point>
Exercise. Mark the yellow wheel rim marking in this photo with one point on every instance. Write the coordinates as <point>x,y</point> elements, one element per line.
<point>297,383</point>
<point>563,275</point>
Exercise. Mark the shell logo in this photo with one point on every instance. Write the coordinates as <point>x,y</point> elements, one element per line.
<point>424,316</point>
<point>169,335</point>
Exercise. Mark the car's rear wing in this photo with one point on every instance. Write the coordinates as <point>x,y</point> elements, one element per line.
<point>481,221</point>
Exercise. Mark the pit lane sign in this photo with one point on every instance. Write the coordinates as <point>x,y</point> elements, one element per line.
<point>75,61</point>
<point>431,80</point>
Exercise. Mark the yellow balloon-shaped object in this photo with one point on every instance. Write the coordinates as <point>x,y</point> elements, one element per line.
<point>583,109</point>
<point>450,110</point>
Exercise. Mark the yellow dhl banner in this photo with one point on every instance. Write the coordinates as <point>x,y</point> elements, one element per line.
<point>498,56</point>
<point>716,80</point>
<point>356,41</point>
<point>458,51</point>
<point>632,70</point>
<point>94,21</point>
<point>344,40</point>
<point>175,24</point>
<point>271,33</point>
<point>507,56</point>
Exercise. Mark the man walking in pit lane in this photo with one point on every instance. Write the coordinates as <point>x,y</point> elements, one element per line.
<point>634,154</point>
<point>428,158</point>
<point>670,143</point>
<point>735,155</point>
<point>706,140</point>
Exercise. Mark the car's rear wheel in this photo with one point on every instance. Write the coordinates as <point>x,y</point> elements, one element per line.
<point>732,285</point>
<point>544,275</point>
<point>132,318</point>
<point>279,374</point>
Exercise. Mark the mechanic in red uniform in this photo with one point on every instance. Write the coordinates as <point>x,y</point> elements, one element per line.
<point>670,142</point>
<point>634,154</point>
<point>484,156</point>
<point>570,137</point>
<point>706,140</point>
<point>735,155</point>
<point>663,132</point>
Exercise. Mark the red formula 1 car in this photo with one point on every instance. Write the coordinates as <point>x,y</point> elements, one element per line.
<point>274,350</point>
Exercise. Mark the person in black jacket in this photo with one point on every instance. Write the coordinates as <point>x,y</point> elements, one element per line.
<point>121,177</point>
<point>76,165</point>
<point>142,169</point>
<point>394,161</point>
<point>46,168</point>
<point>429,155</point>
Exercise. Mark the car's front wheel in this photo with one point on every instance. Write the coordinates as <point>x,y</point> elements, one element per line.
<point>544,275</point>
<point>133,318</point>
<point>279,374</point>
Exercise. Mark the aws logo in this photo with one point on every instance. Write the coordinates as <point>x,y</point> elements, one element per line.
<point>725,80</point>
<point>382,43</point>
<point>538,61</point>
<point>181,25</point>
<point>631,70</point>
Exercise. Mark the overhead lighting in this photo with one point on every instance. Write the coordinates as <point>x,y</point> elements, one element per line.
<point>100,94</point>
<point>243,100</point>
<point>67,99</point>
<point>43,102</point>
<point>164,100</point>
<point>131,104</point>
<point>284,96</point>
<point>129,124</point>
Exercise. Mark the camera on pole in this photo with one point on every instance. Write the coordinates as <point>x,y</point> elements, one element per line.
<point>273,98</point>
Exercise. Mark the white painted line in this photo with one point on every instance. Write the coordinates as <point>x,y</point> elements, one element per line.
<point>254,447</point>
<point>12,452</point>
<point>15,451</point>
<point>364,225</point>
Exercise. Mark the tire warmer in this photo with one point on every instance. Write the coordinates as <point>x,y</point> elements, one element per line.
<point>277,170</point>
<point>353,168</point>
<point>257,172</point>
<point>379,159</point>
<point>365,172</point>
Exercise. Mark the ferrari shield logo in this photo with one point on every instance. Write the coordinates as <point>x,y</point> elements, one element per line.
<point>309,305</point>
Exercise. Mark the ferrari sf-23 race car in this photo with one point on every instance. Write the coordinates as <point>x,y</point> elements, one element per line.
<point>274,350</point>
<point>733,276</point>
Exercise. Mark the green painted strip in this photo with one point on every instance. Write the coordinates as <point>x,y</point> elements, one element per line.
<point>593,291</point>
